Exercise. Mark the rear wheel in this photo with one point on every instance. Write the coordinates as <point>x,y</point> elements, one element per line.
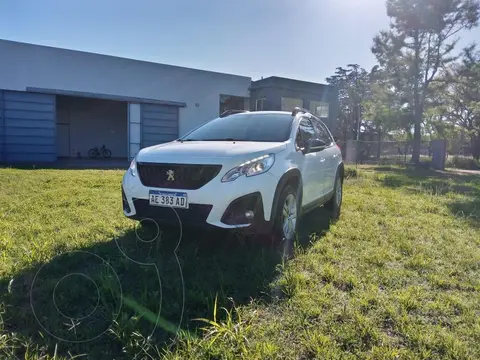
<point>93,153</point>
<point>286,220</point>
<point>335,203</point>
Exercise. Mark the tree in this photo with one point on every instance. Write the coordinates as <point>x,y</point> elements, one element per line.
<point>420,42</point>
<point>389,104</point>
<point>461,98</point>
<point>352,83</point>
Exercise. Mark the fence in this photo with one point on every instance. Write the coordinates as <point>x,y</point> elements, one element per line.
<point>457,153</point>
<point>459,147</point>
<point>372,152</point>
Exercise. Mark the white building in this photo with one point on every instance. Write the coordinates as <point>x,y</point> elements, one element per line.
<point>58,103</point>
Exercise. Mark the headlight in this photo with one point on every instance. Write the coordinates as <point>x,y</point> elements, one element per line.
<point>133,167</point>
<point>253,167</point>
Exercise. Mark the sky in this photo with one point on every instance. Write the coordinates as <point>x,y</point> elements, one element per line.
<point>299,39</point>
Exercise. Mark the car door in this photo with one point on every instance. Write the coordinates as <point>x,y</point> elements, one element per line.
<point>329,154</point>
<point>311,164</point>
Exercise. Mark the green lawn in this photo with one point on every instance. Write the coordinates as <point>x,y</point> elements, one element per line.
<point>398,277</point>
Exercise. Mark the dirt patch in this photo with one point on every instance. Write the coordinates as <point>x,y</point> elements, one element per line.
<point>461,172</point>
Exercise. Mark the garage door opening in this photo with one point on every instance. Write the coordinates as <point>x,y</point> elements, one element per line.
<point>86,123</point>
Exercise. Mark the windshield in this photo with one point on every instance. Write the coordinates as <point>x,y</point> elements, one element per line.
<point>244,127</point>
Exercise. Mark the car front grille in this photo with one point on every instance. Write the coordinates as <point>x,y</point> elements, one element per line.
<point>177,176</point>
<point>196,214</point>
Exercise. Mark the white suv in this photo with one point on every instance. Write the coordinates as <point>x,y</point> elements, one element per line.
<point>258,171</point>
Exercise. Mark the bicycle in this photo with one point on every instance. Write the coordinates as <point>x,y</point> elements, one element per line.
<point>96,152</point>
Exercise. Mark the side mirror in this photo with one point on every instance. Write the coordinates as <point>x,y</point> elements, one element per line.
<point>314,145</point>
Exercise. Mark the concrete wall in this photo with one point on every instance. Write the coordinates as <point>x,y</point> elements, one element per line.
<point>25,65</point>
<point>90,123</point>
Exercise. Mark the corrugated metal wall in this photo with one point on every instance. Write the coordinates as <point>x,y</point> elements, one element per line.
<point>29,127</point>
<point>159,124</point>
<point>2,132</point>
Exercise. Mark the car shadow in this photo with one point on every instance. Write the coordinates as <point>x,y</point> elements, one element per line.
<point>313,225</point>
<point>148,281</point>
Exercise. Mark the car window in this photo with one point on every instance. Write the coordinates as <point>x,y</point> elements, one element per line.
<point>245,127</point>
<point>321,131</point>
<point>305,132</point>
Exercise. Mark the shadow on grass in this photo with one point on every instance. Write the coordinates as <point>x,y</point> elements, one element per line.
<point>98,299</point>
<point>424,181</point>
<point>316,223</point>
<point>468,209</point>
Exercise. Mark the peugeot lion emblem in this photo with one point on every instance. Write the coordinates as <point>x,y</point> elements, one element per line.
<point>171,175</point>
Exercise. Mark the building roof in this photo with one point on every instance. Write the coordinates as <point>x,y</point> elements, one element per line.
<point>106,56</point>
<point>292,84</point>
<point>279,80</point>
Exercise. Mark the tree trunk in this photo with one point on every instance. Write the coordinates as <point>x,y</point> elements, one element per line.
<point>417,137</point>
<point>476,147</point>
<point>379,147</point>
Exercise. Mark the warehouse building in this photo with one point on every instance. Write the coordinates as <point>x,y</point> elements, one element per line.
<point>58,103</point>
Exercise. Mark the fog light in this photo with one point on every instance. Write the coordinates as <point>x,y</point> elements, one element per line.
<point>249,214</point>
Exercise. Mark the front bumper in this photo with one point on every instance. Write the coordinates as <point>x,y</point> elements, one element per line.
<point>221,205</point>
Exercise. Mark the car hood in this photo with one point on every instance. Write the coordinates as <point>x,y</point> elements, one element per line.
<point>207,151</point>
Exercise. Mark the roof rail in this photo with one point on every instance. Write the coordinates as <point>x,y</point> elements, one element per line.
<point>231,112</point>
<point>297,110</point>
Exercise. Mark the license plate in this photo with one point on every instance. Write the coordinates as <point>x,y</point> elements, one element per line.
<point>168,199</point>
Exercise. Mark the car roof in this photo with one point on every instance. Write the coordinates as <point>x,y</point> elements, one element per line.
<point>262,113</point>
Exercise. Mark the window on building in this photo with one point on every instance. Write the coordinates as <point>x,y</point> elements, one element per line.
<point>229,102</point>
<point>322,132</point>
<point>259,104</point>
<point>320,109</point>
<point>305,133</point>
<point>288,104</point>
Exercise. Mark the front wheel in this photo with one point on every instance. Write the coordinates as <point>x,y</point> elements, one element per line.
<point>335,203</point>
<point>286,219</point>
<point>106,153</point>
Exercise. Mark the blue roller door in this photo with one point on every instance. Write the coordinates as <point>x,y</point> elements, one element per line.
<point>2,132</point>
<point>28,127</point>
<point>159,124</point>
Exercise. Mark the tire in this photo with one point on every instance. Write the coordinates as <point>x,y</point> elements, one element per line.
<point>284,230</point>
<point>106,153</point>
<point>334,205</point>
<point>92,153</point>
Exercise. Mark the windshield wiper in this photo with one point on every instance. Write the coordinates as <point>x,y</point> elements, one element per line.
<point>222,139</point>
<point>188,140</point>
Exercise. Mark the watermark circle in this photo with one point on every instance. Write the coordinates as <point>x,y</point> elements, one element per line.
<point>46,280</point>
<point>144,222</point>
<point>55,293</point>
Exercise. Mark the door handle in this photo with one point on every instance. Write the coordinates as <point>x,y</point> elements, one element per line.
<point>322,160</point>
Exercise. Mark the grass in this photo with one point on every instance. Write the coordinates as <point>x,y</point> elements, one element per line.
<point>398,277</point>
<point>462,162</point>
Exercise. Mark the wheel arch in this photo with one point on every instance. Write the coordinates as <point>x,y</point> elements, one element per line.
<point>341,170</point>
<point>291,177</point>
